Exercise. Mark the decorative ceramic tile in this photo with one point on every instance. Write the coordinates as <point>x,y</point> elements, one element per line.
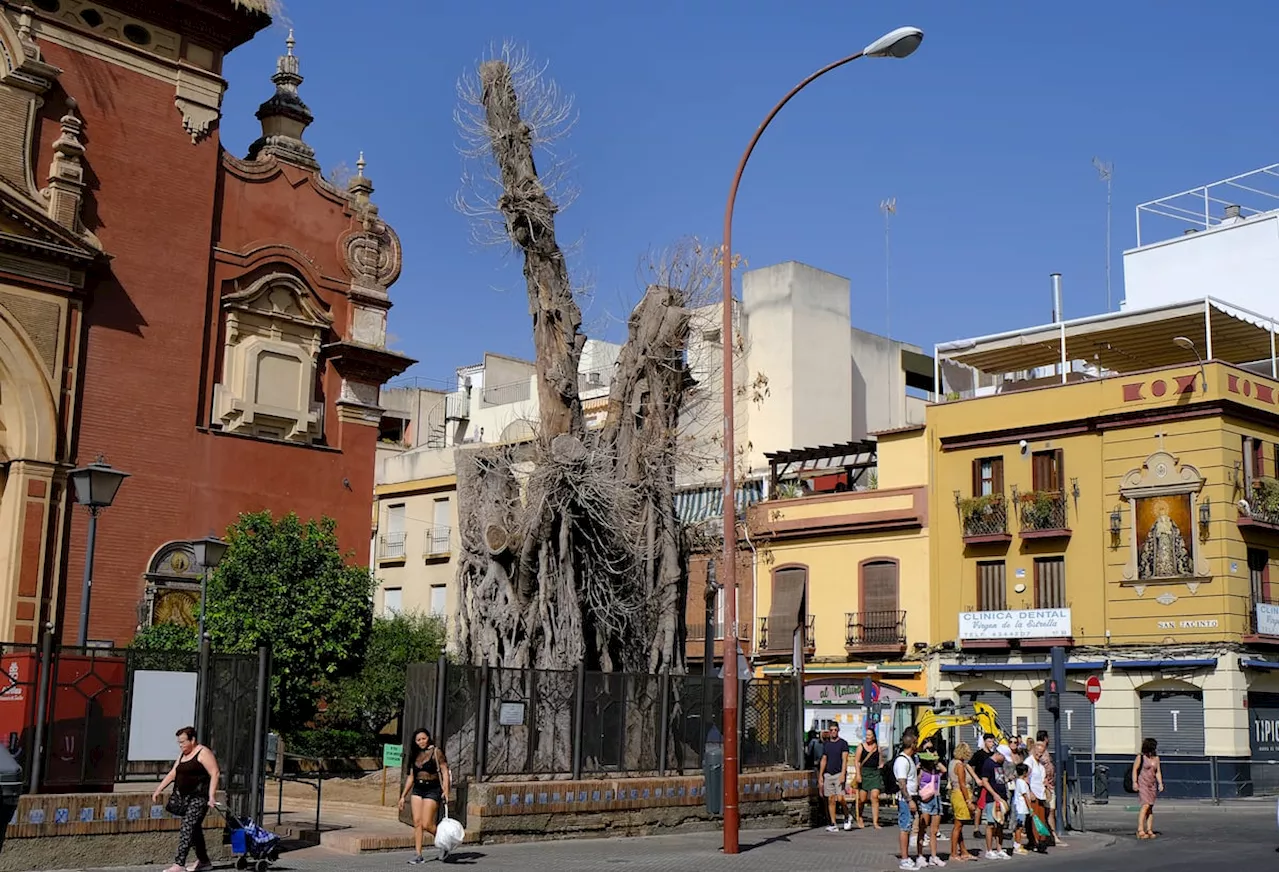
<point>542,798</point>
<point>35,816</point>
<point>133,813</point>
<point>111,814</point>
<point>595,796</point>
<point>528,799</point>
<point>62,816</point>
<point>157,812</point>
<point>582,796</point>
<point>86,815</point>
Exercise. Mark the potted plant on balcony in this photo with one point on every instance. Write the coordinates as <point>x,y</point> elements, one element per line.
<point>1039,509</point>
<point>1265,494</point>
<point>979,511</point>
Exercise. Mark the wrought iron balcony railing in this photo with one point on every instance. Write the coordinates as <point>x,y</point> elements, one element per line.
<point>391,546</point>
<point>879,630</point>
<point>437,542</point>
<point>1262,501</point>
<point>983,516</point>
<point>1042,511</point>
<point>763,643</point>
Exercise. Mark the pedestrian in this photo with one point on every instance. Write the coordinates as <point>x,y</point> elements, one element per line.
<point>812,750</point>
<point>1050,787</point>
<point>960,777</point>
<point>984,751</point>
<point>195,779</point>
<point>1149,780</point>
<point>1021,808</point>
<point>930,805</point>
<point>870,781</point>
<point>1037,797</point>
<point>833,771</point>
<point>996,805</point>
<point>428,785</point>
<point>907,774</point>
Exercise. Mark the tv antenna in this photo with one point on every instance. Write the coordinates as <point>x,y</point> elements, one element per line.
<point>888,207</point>
<point>1104,173</point>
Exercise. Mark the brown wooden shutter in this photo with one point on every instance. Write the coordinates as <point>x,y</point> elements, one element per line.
<point>977,477</point>
<point>991,586</point>
<point>1051,583</point>
<point>997,475</point>
<point>1059,473</point>
<point>880,586</point>
<point>1259,459</point>
<point>784,611</point>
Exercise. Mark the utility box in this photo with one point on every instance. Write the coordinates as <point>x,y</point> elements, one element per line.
<point>1101,788</point>
<point>713,772</point>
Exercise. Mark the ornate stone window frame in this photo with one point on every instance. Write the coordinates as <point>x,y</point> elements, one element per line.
<point>258,321</point>
<point>1161,475</point>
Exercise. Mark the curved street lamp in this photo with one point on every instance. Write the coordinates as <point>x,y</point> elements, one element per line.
<point>95,488</point>
<point>895,44</point>
<point>1186,343</point>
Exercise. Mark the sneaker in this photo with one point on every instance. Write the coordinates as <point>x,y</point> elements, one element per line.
<point>417,861</point>
<point>943,837</point>
<point>906,864</point>
<point>1018,850</point>
<point>934,861</point>
<point>833,829</point>
<point>848,824</point>
<point>926,840</point>
<point>1002,855</point>
<point>992,855</point>
<point>921,862</point>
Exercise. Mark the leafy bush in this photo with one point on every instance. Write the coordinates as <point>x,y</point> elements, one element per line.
<point>329,743</point>
<point>164,647</point>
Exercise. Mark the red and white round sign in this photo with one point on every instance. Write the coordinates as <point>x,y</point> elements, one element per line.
<point>1093,689</point>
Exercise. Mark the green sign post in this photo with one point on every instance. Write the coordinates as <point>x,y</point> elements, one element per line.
<point>392,758</point>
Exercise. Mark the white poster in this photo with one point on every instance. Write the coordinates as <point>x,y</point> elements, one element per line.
<point>1268,615</point>
<point>1027,624</point>
<point>163,703</point>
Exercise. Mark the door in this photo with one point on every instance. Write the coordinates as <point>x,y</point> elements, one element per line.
<point>1000,700</point>
<point>1264,726</point>
<point>393,540</point>
<point>1175,719</point>
<point>439,533</point>
<point>1075,717</point>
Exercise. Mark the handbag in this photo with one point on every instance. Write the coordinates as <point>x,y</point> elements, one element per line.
<point>175,806</point>
<point>1041,830</point>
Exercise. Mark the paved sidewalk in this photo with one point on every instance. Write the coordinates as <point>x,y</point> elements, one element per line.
<point>816,850</point>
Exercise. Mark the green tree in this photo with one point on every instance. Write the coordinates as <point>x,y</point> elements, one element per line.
<point>285,582</point>
<point>374,697</point>
<point>164,647</point>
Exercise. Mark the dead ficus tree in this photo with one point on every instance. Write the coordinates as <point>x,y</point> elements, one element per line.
<point>570,546</point>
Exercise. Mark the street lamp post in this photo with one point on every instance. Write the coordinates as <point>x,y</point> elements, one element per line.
<point>209,551</point>
<point>897,44</point>
<point>95,488</point>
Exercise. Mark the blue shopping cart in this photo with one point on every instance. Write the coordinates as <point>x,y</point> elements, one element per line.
<point>253,846</point>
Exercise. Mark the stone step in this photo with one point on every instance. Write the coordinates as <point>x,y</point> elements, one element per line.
<point>356,841</point>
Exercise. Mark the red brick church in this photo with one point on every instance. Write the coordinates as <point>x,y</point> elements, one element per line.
<point>212,324</point>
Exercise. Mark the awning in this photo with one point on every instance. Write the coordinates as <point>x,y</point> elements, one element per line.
<point>784,611</point>
<point>1124,341</point>
<point>1072,666</point>
<point>1260,664</point>
<point>702,504</point>
<point>1198,663</point>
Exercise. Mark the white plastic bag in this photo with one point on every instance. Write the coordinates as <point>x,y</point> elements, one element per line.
<point>449,834</point>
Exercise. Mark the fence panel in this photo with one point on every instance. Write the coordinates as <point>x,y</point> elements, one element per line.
<point>461,715</point>
<point>86,705</point>
<point>696,706</point>
<point>231,716</point>
<point>19,690</point>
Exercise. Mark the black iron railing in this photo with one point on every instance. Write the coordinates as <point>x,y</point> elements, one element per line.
<point>880,629</point>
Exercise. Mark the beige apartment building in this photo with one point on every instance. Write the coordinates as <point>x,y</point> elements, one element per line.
<point>415,533</point>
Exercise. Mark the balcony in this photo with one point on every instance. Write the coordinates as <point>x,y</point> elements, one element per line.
<point>437,546</point>
<point>698,632</point>
<point>1042,514</point>
<point>784,645</point>
<point>875,632</point>
<point>1259,509</point>
<point>391,547</point>
<point>502,395</point>
<point>984,520</point>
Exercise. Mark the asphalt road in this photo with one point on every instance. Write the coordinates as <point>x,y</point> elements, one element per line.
<point>1192,837</point>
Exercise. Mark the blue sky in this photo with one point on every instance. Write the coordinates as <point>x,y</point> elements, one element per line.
<point>984,137</point>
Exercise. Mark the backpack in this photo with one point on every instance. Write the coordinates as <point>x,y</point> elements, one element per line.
<point>1129,786</point>
<point>890,780</point>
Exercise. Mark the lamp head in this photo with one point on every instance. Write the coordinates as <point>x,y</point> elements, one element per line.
<point>1184,342</point>
<point>895,44</point>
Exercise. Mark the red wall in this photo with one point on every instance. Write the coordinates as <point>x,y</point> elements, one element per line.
<point>151,343</point>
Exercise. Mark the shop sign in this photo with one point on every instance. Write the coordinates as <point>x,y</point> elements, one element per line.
<point>1268,617</point>
<point>1024,624</point>
<point>1196,624</point>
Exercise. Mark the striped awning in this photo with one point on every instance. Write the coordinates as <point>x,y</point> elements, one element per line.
<point>694,505</point>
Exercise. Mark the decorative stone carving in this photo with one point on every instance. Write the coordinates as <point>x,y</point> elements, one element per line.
<point>273,335</point>
<point>371,254</point>
<point>1163,545</point>
<point>66,172</point>
<point>284,116</point>
<point>200,102</point>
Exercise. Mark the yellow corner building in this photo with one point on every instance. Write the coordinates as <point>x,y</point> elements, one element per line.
<point>1108,484</point>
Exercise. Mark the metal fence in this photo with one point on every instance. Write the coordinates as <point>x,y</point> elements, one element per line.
<point>500,723</point>
<point>1213,777</point>
<point>66,714</point>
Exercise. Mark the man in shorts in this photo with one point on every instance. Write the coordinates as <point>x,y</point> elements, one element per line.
<point>907,774</point>
<point>832,774</point>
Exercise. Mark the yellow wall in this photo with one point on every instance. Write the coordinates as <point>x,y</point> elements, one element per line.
<point>417,573</point>
<point>1103,437</point>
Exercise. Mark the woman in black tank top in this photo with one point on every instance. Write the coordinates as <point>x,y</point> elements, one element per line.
<point>425,789</point>
<point>195,779</point>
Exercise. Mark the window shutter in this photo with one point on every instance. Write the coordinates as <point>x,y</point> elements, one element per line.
<point>1059,473</point>
<point>977,477</point>
<point>997,475</point>
<point>880,586</point>
<point>784,611</point>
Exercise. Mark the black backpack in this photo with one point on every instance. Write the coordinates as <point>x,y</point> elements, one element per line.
<point>886,775</point>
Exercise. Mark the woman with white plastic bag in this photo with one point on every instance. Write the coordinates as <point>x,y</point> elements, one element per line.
<point>427,790</point>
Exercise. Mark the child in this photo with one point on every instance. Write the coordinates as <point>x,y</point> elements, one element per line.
<point>1021,808</point>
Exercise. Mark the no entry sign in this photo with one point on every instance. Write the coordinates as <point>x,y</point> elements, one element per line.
<point>1093,689</point>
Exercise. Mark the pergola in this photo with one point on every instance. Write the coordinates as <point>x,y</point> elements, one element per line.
<point>854,458</point>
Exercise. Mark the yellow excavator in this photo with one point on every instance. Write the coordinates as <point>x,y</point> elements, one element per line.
<point>978,714</point>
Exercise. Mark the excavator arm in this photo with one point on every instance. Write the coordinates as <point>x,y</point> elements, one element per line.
<point>930,723</point>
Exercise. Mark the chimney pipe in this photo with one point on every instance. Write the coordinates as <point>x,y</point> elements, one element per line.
<point>1231,212</point>
<point>1056,279</point>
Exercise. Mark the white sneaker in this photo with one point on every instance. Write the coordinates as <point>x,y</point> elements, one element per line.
<point>921,862</point>
<point>906,864</point>
<point>1002,855</point>
<point>943,837</point>
<point>848,824</point>
<point>833,829</point>
<point>926,840</point>
<point>934,861</point>
<point>992,855</point>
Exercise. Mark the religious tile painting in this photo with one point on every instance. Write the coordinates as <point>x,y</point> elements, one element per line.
<point>1164,536</point>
